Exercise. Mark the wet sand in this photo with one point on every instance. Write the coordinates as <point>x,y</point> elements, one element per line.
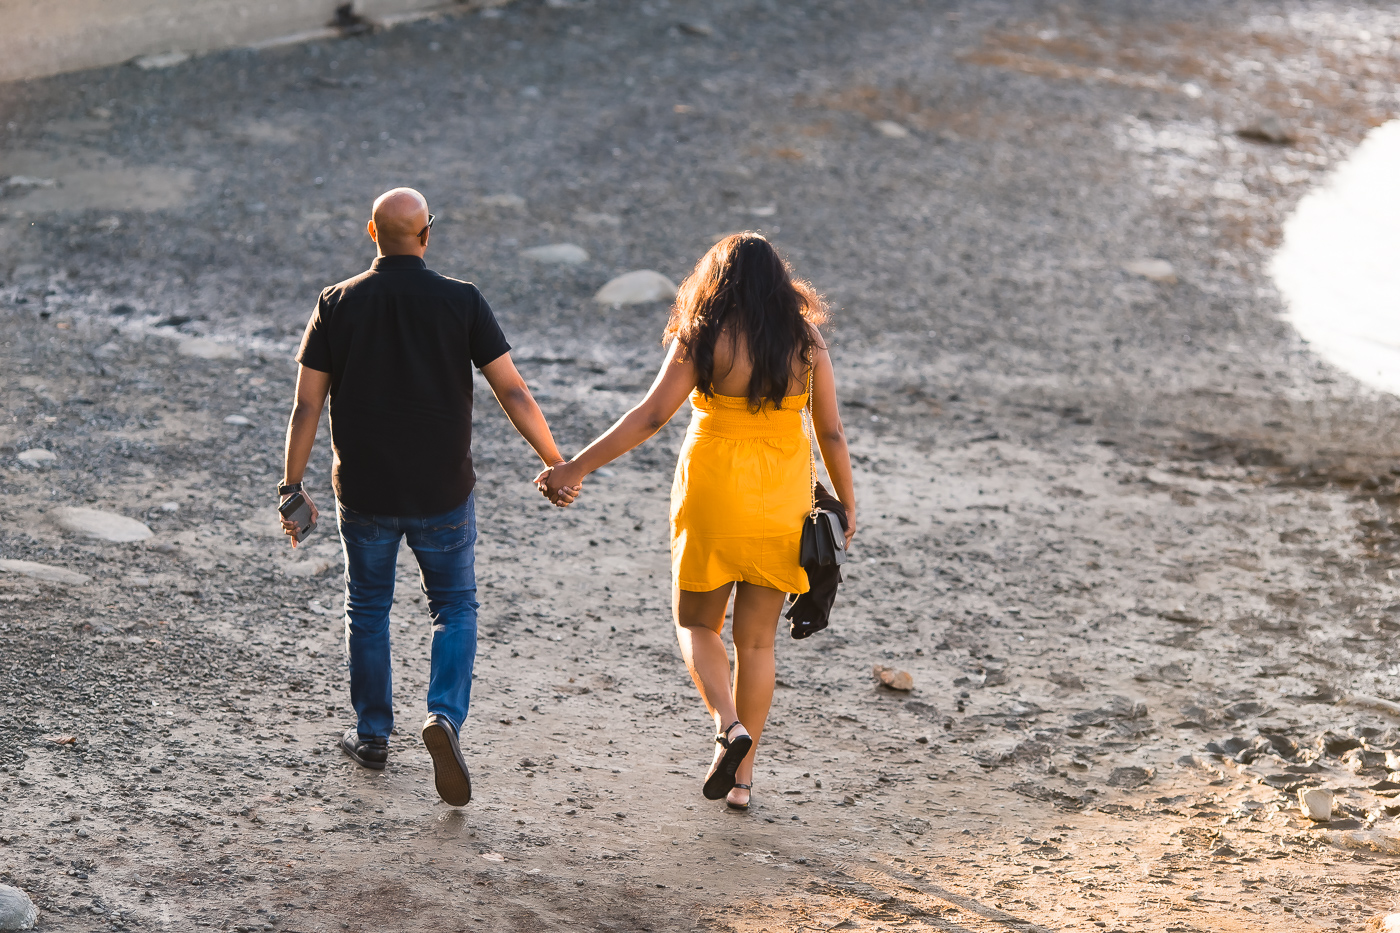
<point>1133,541</point>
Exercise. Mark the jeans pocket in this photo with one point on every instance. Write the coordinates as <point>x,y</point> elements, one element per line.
<point>448,537</point>
<point>356,528</point>
<point>452,531</point>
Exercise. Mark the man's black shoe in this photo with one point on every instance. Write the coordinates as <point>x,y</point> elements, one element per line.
<point>369,753</point>
<point>454,784</point>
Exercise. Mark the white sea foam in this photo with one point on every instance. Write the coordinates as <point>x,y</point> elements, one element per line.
<point>1339,266</point>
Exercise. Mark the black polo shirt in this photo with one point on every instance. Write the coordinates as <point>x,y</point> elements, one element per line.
<point>399,342</point>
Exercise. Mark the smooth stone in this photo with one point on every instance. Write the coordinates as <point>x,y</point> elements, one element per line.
<point>107,526</point>
<point>591,219</point>
<point>637,287</point>
<point>36,456</point>
<point>1316,804</point>
<point>17,911</point>
<point>161,60</point>
<point>170,506</point>
<point>1130,777</point>
<point>43,572</point>
<point>891,129</point>
<point>894,679</point>
<point>1267,129</point>
<point>107,351</point>
<point>205,349</point>
<point>1066,679</point>
<point>28,181</point>
<point>511,202</point>
<point>1380,841</point>
<point>239,420</point>
<point>1158,270</point>
<point>564,253</point>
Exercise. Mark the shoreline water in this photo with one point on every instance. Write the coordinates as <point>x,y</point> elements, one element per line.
<point>1339,265</point>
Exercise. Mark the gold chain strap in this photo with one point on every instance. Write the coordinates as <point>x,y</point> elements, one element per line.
<point>809,424</point>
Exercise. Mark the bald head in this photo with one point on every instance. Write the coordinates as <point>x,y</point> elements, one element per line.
<point>400,214</point>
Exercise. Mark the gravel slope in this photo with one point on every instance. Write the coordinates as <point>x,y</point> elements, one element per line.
<point>1107,519</point>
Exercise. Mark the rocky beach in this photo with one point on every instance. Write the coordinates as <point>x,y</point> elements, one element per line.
<point>1133,542</point>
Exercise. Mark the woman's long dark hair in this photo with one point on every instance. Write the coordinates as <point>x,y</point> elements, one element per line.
<point>742,287</point>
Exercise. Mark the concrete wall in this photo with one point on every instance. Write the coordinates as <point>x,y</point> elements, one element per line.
<point>44,37</point>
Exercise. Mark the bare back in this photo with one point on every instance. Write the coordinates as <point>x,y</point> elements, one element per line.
<point>734,368</point>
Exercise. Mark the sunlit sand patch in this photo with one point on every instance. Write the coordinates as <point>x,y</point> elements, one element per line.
<point>1339,265</point>
<point>86,180</point>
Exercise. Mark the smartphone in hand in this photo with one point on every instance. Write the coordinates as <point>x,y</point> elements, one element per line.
<point>297,509</point>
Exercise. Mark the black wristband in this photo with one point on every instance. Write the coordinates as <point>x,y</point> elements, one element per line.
<point>288,489</point>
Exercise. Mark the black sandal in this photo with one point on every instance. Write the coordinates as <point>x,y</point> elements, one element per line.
<point>740,806</point>
<point>720,780</point>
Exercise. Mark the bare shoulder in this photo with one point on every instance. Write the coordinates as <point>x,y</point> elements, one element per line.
<point>816,334</point>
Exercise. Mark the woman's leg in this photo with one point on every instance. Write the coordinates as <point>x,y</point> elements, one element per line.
<point>756,611</point>
<point>699,619</point>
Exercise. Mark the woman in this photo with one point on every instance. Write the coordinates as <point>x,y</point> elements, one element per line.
<point>744,347</point>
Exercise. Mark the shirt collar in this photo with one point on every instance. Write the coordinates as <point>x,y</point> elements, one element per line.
<point>398,262</point>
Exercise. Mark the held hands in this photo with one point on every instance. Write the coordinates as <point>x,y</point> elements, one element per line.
<point>560,483</point>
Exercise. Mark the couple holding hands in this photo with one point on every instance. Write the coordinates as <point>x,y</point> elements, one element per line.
<point>389,348</point>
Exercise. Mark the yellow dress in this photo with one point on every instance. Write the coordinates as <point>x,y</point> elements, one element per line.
<point>742,488</point>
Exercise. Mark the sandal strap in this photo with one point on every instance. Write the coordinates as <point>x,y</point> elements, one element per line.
<point>723,738</point>
<point>744,786</point>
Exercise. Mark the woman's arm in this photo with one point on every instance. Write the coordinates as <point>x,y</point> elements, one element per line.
<point>831,434</point>
<point>672,385</point>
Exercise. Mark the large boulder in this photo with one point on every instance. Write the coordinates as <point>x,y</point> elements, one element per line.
<point>17,911</point>
<point>637,287</point>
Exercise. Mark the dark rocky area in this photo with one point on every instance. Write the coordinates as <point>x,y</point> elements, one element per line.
<point>1133,541</point>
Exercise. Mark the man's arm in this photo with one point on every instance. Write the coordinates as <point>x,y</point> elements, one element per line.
<point>312,388</point>
<point>520,407</point>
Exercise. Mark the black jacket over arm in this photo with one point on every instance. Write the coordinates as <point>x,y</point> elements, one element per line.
<point>810,612</point>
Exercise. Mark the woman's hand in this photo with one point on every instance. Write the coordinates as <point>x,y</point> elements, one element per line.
<point>850,527</point>
<point>560,483</point>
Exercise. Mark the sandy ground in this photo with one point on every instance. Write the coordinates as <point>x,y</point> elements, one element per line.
<point>1134,543</point>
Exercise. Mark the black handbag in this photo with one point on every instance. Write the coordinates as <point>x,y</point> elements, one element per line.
<point>811,612</point>
<point>823,536</point>
<point>823,540</point>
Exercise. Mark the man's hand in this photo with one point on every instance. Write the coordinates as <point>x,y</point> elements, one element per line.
<point>312,388</point>
<point>559,484</point>
<point>289,527</point>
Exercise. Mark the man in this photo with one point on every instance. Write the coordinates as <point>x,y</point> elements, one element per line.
<point>393,347</point>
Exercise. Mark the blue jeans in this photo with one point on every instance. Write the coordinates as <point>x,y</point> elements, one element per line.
<point>445,546</point>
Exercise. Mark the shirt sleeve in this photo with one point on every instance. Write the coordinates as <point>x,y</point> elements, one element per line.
<point>486,341</point>
<point>315,351</point>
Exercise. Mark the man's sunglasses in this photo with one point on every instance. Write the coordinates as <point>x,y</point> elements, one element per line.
<point>424,232</point>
